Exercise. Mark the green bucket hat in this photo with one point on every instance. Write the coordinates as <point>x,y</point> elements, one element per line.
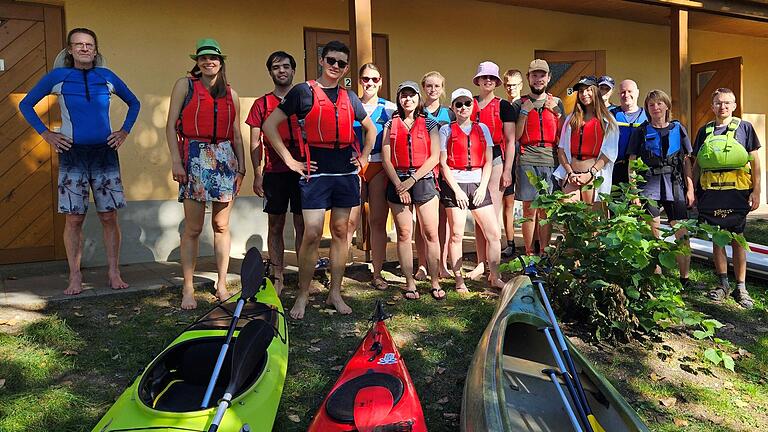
<point>207,46</point>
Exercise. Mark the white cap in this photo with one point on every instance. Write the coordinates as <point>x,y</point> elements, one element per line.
<point>459,92</point>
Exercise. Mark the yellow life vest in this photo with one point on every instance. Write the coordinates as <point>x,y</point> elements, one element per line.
<point>724,161</point>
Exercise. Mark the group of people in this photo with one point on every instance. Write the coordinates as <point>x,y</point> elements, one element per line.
<point>317,146</point>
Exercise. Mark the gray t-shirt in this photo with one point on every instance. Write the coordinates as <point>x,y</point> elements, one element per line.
<point>537,156</point>
<point>652,188</point>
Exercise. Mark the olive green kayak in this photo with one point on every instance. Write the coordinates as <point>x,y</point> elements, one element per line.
<point>168,393</point>
<point>506,389</point>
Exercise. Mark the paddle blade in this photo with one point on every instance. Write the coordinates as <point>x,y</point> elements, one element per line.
<point>251,273</point>
<point>372,406</point>
<point>250,347</point>
<point>595,424</point>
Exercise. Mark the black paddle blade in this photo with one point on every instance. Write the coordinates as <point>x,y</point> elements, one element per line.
<point>250,347</point>
<point>378,312</point>
<point>251,273</point>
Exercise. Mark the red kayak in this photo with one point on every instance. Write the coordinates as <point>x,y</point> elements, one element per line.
<point>375,392</point>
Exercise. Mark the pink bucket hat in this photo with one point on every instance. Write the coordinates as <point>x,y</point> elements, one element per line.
<point>487,68</point>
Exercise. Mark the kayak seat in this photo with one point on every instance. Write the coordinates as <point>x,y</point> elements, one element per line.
<point>341,403</point>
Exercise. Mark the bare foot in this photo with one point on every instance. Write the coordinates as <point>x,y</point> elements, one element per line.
<point>421,274</point>
<point>116,282</point>
<point>477,272</point>
<point>461,287</point>
<point>315,287</point>
<point>277,282</point>
<point>188,298</point>
<point>222,293</point>
<point>496,283</point>
<point>75,284</point>
<point>297,311</point>
<point>337,302</point>
<point>379,283</point>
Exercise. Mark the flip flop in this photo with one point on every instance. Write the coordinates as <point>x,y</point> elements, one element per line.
<point>434,294</point>
<point>414,294</point>
<point>379,284</point>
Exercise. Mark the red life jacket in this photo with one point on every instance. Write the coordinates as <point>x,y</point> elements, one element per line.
<point>328,125</point>
<point>491,117</point>
<point>289,134</point>
<point>205,118</point>
<point>466,152</point>
<point>540,129</point>
<point>587,140</point>
<point>410,148</point>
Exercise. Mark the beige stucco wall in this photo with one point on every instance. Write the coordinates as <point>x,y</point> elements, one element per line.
<point>147,42</point>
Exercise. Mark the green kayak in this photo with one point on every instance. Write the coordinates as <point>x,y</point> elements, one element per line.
<point>506,387</point>
<point>167,395</point>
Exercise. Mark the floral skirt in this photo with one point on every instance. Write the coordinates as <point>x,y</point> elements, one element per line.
<point>211,170</point>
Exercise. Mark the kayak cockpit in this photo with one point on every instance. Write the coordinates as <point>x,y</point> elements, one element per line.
<point>176,381</point>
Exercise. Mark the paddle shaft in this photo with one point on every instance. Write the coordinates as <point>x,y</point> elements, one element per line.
<point>566,353</point>
<point>222,353</point>
<point>568,382</point>
<point>571,416</point>
<point>223,405</point>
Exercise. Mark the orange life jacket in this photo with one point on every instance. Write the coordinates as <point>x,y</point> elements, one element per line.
<point>540,129</point>
<point>587,140</point>
<point>491,117</point>
<point>466,152</point>
<point>289,134</point>
<point>205,118</point>
<point>410,148</point>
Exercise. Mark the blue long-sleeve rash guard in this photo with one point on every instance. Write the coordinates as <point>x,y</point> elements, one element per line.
<point>84,96</point>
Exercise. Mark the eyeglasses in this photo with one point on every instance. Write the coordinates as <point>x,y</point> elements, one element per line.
<point>723,103</point>
<point>366,79</point>
<point>332,62</point>
<point>467,104</point>
<point>83,45</point>
<point>488,77</point>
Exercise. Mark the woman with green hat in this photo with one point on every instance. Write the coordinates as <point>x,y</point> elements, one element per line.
<point>208,162</point>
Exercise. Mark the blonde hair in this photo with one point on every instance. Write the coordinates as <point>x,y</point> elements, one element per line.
<point>512,72</point>
<point>434,74</point>
<point>656,96</point>
<point>601,112</point>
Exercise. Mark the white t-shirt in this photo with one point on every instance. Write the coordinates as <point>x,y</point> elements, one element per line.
<point>464,176</point>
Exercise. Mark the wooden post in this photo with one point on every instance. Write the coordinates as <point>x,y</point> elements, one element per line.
<point>360,37</point>
<point>680,73</point>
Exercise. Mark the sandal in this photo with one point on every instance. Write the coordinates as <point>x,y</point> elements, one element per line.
<point>718,294</point>
<point>434,292</point>
<point>414,294</point>
<point>379,284</point>
<point>743,299</point>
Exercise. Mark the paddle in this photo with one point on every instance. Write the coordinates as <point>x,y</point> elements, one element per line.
<point>568,382</point>
<point>569,360</point>
<point>553,376</point>
<point>372,405</point>
<point>250,346</point>
<point>251,277</point>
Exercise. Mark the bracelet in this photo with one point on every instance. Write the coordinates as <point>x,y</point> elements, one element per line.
<point>593,170</point>
<point>414,178</point>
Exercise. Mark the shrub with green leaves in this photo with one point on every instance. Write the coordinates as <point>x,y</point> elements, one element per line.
<point>602,270</point>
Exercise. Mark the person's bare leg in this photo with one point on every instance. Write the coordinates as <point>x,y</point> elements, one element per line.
<point>276,246</point>
<point>486,217</point>
<point>457,218</point>
<point>443,234</point>
<point>421,272</point>
<point>194,216</point>
<point>739,262</point>
<point>683,262</point>
<point>111,232</point>
<point>508,214</point>
<point>354,217</point>
<point>404,226</point>
<point>73,244</point>
<point>545,231</point>
<point>298,231</point>
<point>529,226</point>
<point>222,244</point>
<point>339,251</point>
<point>377,220</point>
<point>314,220</point>
<point>428,218</point>
<point>720,259</point>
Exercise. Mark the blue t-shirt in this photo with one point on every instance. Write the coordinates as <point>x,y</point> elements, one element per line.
<point>379,114</point>
<point>84,97</point>
<point>442,115</point>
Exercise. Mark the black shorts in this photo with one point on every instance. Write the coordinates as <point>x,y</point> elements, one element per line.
<point>327,192</point>
<point>421,192</point>
<point>448,198</point>
<point>726,209</point>
<point>510,190</point>
<point>620,172</point>
<point>280,190</point>
<point>675,210</point>
<point>497,152</point>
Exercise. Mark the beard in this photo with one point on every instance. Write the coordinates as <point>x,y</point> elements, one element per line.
<point>537,92</point>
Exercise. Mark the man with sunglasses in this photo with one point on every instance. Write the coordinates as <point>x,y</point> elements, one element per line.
<point>274,181</point>
<point>326,113</point>
<point>539,117</point>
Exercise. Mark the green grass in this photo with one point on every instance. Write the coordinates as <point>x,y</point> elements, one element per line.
<point>64,371</point>
<point>757,231</point>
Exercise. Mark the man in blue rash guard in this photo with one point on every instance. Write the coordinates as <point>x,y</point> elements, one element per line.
<point>87,147</point>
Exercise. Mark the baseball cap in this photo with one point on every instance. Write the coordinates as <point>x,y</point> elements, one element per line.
<point>408,85</point>
<point>585,81</point>
<point>459,92</point>
<point>606,80</point>
<point>538,65</point>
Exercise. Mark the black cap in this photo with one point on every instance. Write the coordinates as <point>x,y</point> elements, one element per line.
<point>585,81</point>
<point>606,80</point>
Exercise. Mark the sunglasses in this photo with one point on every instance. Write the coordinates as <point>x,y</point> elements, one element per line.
<point>366,79</point>
<point>467,104</point>
<point>332,62</point>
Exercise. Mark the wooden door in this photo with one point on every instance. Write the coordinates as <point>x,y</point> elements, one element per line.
<point>705,79</point>
<point>566,67</point>
<point>30,229</point>
<point>315,40</point>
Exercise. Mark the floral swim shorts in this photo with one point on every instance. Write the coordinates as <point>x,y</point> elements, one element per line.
<point>83,168</point>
